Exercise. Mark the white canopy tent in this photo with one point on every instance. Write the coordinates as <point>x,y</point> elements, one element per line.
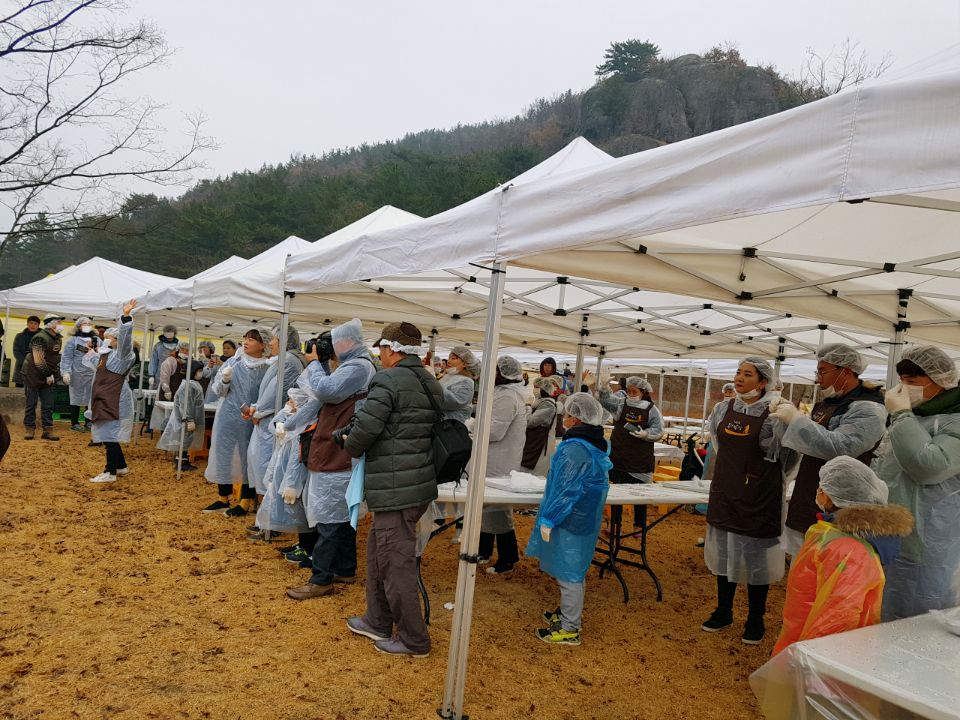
<point>844,209</point>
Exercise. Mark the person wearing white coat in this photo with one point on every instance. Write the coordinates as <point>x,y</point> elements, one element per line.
<point>77,375</point>
<point>508,434</point>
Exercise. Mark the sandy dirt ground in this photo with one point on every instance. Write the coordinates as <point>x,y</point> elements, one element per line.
<point>124,601</point>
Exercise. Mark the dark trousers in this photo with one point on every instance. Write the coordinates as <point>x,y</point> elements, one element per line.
<point>115,459</point>
<point>618,477</point>
<point>246,492</point>
<point>75,415</point>
<point>307,540</point>
<point>44,396</point>
<point>508,554</point>
<point>334,553</point>
<point>392,596</point>
<point>756,598</point>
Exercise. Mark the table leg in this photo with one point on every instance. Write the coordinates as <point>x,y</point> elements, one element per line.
<point>643,551</point>
<point>611,562</point>
<point>423,592</point>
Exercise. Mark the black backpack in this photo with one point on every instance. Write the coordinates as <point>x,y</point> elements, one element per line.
<point>451,442</point>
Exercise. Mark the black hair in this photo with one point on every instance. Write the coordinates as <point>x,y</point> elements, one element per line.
<point>910,369</point>
<point>231,343</point>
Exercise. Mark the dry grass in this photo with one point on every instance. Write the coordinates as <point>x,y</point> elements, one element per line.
<point>123,601</point>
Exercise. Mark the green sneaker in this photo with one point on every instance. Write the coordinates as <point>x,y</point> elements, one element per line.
<point>551,617</point>
<point>558,636</point>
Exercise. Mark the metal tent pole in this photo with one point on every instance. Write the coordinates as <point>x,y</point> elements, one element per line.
<point>660,400</point>
<point>186,390</point>
<point>706,395</point>
<point>578,374</point>
<point>144,351</point>
<point>282,350</point>
<point>470,536</point>
<point>3,346</point>
<point>899,332</point>
<point>686,403</point>
<point>781,350</point>
<point>603,351</point>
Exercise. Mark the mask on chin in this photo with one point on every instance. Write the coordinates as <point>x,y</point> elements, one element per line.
<point>915,392</point>
<point>750,394</point>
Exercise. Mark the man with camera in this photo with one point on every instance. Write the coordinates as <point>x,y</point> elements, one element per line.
<point>394,428</point>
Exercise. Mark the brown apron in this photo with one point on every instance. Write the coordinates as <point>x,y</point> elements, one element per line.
<point>325,455</point>
<point>631,454</point>
<point>746,493</point>
<point>535,446</point>
<point>178,377</point>
<point>802,511</point>
<point>105,396</point>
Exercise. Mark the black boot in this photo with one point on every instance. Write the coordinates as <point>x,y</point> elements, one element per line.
<point>722,617</point>
<point>754,630</point>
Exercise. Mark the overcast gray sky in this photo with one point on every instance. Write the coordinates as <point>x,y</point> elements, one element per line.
<point>305,76</point>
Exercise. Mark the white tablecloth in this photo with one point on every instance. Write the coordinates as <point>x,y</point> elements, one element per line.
<point>626,494</point>
<point>167,406</point>
<point>904,669</point>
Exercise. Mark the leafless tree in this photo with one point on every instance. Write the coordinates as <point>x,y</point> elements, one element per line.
<point>69,137</point>
<point>825,74</point>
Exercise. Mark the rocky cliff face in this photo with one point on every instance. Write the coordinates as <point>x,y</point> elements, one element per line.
<point>679,99</point>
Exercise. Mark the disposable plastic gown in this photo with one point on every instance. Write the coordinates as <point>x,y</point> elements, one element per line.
<point>170,440</point>
<point>227,463</point>
<point>543,414</point>
<point>614,403</point>
<point>508,435</point>
<point>743,559</point>
<point>120,360</point>
<point>261,441</point>
<point>457,397</point>
<point>326,493</point>
<point>81,374</point>
<point>573,507</point>
<point>919,460</point>
<point>835,585</point>
<point>161,351</point>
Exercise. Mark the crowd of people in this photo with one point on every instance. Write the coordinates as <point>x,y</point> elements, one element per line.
<point>872,527</point>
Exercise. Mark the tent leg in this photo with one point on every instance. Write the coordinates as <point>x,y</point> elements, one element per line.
<point>660,399</point>
<point>706,395</point>
<point>896,342</point>
<point>3,346</point>
<point>603,351</point>
<point>581,346</point>
<point>144,350</point>
<point>186,390</point>
<point>467,573</point>
<point>282,356</point>
<point>686,403</point>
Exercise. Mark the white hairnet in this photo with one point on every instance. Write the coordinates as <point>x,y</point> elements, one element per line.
<point>842,356</point>
<point>938,366</point>
<point>293,337</point>
<point>510,368</point>
<point>183,344</point>
<point>80,323</point>
<point>849,482</point>
<point>728,387</point>
<point>547,383</point>
<point>207,344</point>
<point>585,408</point>
<point>638,382</point>
<point>470,361</point>
<point>763,367</point>
<point>111,332</point>
<point>169,330</point>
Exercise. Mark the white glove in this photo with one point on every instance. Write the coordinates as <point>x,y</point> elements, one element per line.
<point>280,432</point>
<point>289,496</point>
<point>227,374</point>
<point>589,379</point>
<point>641,434</point>
<point>191,426</point>
<point>51,379</point>
<point>66,378</point>
<point>897,399</point>
<point>784,410</point>
<point>545,533</point>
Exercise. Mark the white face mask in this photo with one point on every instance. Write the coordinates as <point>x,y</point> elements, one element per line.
<point>750,394</point>
<point>635,402</point>
<point>915,392</point>
<point>86,328</point>
<point>774,395</point>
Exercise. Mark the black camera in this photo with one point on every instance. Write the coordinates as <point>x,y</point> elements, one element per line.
<point>323,346</point>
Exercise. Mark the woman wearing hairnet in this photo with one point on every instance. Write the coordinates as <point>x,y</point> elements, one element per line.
<point>746,499</point>
<point>458,383</point>
<point>508,432</point>
<point>237,383</point>
<point>261,441</point>
<point>75,373</point>
<point>919,460</point>
<point>836,579</point>
<point>333,558</point>
<point>565,531</point>
<point>188,413</point>
<point>538,446</point>
<point>637,425</point>
<point>111,400</point>
<point>165,344</point>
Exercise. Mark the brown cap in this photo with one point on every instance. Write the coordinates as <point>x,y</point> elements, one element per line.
<point>401,332</point>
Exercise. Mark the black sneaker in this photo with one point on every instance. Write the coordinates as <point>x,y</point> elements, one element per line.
<point>753,632</point>
<point>254,528</point>
<point>288,548</point>
<point>185,467</point>
<point>297,555</point>
<point>551,617</point>
<point>235,511</point>
<point>718,621</point>
<point>307,563</point>
<point>218,506</point>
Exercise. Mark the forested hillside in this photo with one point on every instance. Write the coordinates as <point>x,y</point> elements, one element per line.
<point>633,106</point>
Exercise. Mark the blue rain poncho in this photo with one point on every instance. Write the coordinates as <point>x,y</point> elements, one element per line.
<point>170,440</point>
<point>326,491</point>
<point>161,351</point>
<point>919,460</point>
<point>261,441</point>
<point>573,507</point>
<point>81,374</point>
<point>120,360</point>
<point>227,463</point>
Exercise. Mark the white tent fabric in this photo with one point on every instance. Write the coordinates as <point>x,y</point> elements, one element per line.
<point>96,288</point>
<point>180,293</point>
<point>828,210</point>
<point>384,218</point>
